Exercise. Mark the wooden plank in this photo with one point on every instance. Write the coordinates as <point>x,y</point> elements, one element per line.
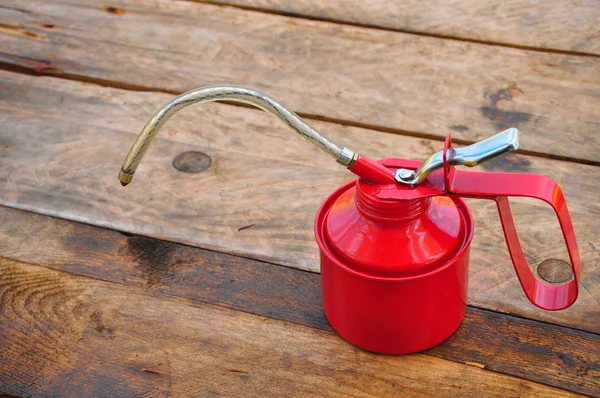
<point>62,144</point>
<point>391,81</point>
<point>540,352</point>
<point>563,25</point>
<point>68,335</point>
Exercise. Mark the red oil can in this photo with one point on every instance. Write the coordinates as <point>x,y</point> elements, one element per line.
<point>394,259</point>
<point>394,244</point>
<point>394,273</point>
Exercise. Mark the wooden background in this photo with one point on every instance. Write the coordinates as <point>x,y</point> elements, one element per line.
<point>93,291</point>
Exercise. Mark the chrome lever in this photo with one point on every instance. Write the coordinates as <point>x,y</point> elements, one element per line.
<point>472,155</point>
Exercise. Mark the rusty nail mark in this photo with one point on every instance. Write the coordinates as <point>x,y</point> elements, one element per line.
<point>115,10</point>
<point>246,227</point>
<point>555,271</point>
<point>192,162</point>
<point>505,119</point>
<point>505,94</point>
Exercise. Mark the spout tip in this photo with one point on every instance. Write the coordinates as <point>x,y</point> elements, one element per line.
<point>125,178</point>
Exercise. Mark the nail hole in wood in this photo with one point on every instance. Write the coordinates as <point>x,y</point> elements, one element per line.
<point>192,162</point>
<point>115,10</point>
<point>555,271</point>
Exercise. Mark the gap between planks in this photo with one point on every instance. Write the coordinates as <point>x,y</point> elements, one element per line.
<point>41,71</point>
<point>268,11</point>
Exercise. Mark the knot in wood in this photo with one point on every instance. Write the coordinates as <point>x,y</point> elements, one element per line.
<point>555,271</point>
<point>192,162</point>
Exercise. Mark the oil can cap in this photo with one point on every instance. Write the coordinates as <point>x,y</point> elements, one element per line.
<point>391,237</point>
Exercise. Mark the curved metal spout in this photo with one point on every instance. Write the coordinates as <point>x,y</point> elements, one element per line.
<point>341,154</point>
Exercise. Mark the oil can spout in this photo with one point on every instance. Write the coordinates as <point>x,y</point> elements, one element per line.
<point>125,178</point>
<point>341,154</point>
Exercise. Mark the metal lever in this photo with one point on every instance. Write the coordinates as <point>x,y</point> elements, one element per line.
<point>472,155</point>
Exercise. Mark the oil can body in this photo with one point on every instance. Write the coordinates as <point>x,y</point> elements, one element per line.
<point>387,310</point>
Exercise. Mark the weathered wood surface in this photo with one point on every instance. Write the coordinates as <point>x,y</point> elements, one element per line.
<point>111,340</point>
<point>565,25</point>
<point>62,144</point>
<point>393,81</point>
<point>540,352</point>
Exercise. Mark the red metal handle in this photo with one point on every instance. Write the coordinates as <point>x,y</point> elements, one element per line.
<point>498,187</point>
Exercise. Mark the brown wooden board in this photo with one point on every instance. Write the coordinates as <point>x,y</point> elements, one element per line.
<point>65,335</point>
<point>390,81</point>
<point>62,144</point>
<point>544,353</point>
<point>563,25</point>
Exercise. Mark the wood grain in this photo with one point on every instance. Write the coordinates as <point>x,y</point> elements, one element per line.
<point>68,335</point>
<point>392,81</point>
<point>62,144</point>
<point>566,25</point>
<point>548,354</point>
